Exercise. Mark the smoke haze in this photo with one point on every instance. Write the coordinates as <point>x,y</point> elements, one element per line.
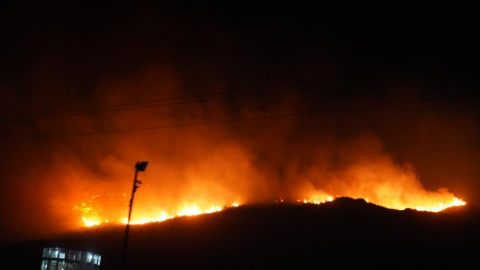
<point>396,156</point>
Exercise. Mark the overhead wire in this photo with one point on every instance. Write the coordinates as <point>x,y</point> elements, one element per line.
<point>233,120</point>
<point>166,102</point>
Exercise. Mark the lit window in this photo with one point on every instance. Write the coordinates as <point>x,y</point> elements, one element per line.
<point>89,257</point>
<point>51,253</point>
<point>53,265</point>
<point>74,255</point>
<point>62,265</point>
<point>99,258</point>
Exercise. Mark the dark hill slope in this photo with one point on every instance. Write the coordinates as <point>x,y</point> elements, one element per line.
<point>345,233</point>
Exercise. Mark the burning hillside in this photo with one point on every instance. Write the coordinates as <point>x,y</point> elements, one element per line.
<point>229,177</point>
<point>97,213</point>
<point>208,168</point>
<point>230,108</point>
<point>343,233</point>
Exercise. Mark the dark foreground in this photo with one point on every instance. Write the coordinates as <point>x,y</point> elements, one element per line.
<point>343,234</point>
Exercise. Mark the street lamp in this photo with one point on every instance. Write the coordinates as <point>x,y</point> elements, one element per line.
<point>139,167</point>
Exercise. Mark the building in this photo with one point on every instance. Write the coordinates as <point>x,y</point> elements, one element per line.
<point>65,259</point>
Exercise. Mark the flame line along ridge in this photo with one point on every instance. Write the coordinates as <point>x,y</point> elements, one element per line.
<point>92,217</point>
<point>95,219</point>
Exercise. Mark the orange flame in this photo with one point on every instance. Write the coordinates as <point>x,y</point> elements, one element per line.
<point>377,179</point>
<point>431,207</point>
<point>91,217</point>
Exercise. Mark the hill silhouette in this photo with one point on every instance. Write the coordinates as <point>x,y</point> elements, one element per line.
<point>344,233</point>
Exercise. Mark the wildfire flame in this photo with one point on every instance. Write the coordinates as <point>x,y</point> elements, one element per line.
<point>429,207</point>
<point>187,211</point>
<point>91,217</point>
<point>369,175</point>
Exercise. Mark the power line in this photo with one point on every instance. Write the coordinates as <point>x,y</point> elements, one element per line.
<point>151,105</point>
<point>158,103</point>
<point>233,120</point>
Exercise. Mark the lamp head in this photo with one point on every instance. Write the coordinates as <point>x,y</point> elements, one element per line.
<point>141,166</point>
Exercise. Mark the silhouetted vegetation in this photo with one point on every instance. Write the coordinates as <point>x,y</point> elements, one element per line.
<point>345,233</point>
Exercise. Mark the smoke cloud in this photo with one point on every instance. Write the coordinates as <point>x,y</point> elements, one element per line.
<point>395,156</point>
<point>311,157</point>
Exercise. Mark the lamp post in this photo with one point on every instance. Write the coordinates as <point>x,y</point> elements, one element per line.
<point>139,167</point>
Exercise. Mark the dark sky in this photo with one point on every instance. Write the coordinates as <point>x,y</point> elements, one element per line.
<point>80,55</point>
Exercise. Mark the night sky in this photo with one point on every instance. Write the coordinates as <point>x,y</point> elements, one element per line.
<point>393,86</point>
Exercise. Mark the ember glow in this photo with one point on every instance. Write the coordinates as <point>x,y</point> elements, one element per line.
<point>432,206</point>
<point>231,176</point>
<point>91,217</point>
<point>216,184</point>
